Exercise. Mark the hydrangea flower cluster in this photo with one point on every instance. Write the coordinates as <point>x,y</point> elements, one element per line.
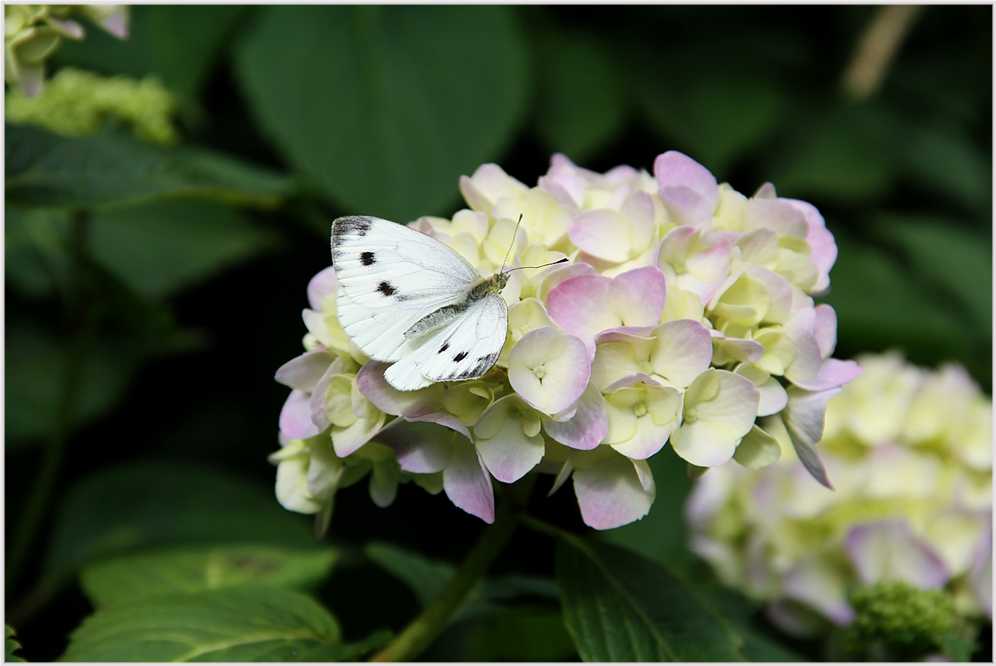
<point>684,315</point>
<point>910,454</point>
<point>32,33</point>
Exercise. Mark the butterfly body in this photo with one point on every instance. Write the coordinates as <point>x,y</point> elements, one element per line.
<point>406,298</point>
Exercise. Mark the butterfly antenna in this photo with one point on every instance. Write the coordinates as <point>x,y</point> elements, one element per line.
<point>552,263</point>
<point>515,233</point>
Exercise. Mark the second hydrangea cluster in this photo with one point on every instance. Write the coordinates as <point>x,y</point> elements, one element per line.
<point>684,316</point>
<point>910,453</point>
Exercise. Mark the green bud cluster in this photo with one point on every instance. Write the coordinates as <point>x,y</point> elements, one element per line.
<point>899,622</point>
<point>76,103</point>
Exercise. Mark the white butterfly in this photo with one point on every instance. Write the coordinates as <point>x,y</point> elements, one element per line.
<point>407,299</point>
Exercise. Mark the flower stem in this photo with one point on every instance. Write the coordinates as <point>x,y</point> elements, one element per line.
<point>44,485</point>
<point>430,623</point>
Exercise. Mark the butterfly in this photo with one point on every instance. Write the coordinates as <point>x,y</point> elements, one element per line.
<point>408,299</point>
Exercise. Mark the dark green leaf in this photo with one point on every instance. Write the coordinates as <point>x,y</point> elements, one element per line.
<point>188,570</point>
<point>662,535</point>
<point>881,305</point>
<point>948,255</point>
<point>619,606</point>
<point>582,105</point>
<point>698,115</point>
<point>36,371</point>
<point>238,624</point>
<point>384,107</point>
<point>35,249</point>
<point>944,161</point>
<point>506,634</point>
<point>126,507</point>
<point>152,45</point>
<point>427,578</point>
<point>848,154</point>
<point>160,248</point>
<point>10,644</point>
<point>112,168</point>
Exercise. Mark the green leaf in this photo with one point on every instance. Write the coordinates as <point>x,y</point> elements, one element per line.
<point>619,606</point>
<point>948,255</point>
<point>582,105</point>
<point>697,114</point>
<point>881,305</point>
<point>145,504</point>
<point>196,569</point>
<point>946,162</point>
<point>35,252</point>
<point>427,577</point>
<point>238,624</point>
<point>385,107</point>
<point>662,535</point>
<point>160,248</point>
<point>36,371</point>
<point>113,168</point>
<point>844,154</point>
<point>523,633</point>
<point>10,645</point>
<point>151,47</point>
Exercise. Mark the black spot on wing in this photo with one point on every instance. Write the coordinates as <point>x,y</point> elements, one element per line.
<point>352,225</point>
<point>445,346</point>
<point>366,258</point>
<point>386,288</point>
<point>483,364</point>
<point>459,357</point>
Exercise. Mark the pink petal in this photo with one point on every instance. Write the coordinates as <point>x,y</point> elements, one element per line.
<point>638,296</point>
<point>833,373</point>
<point>687,188</point>
<point>820,586</point>
<point>467,484</point>
<point>420,406</point>
<point>804,417</point>
<point>602,234</point>
<point>611,492</point>
<point>825,329</point>
<point>421,448</point>
<point>888,550</point>
<point>587,428</point>
<point>320,286</point>
<point>823,249</point>
<point>303,372</point>
<point>682,352</point>
<point>565,361</point>
<point>295,417</point>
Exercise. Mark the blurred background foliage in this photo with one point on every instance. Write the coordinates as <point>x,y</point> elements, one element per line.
<point>153,288</point>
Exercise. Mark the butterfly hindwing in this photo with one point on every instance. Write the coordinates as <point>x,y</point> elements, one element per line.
<point>465,348</point>
<point>389,277</point>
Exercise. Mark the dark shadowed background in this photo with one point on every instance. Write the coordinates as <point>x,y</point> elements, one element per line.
<point>151,293</point>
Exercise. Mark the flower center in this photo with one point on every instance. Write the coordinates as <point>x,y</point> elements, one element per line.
<point>539,372</point>
<point>640,409</point>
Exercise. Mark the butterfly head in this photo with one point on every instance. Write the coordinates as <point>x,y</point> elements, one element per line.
<point>497,282</point>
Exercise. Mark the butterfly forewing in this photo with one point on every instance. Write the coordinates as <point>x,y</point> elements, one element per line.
<point>389,277</point>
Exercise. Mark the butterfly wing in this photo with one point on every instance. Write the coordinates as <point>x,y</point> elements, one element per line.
<point>465,348</point>
<point>390,276</point>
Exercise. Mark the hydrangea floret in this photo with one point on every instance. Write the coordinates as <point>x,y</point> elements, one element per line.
<point>32,33</point>
<point>684,315</point>
<point>910,454</point>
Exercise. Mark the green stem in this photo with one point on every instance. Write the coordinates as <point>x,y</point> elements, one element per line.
<point>430,623</point>
<point>44,485</point>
